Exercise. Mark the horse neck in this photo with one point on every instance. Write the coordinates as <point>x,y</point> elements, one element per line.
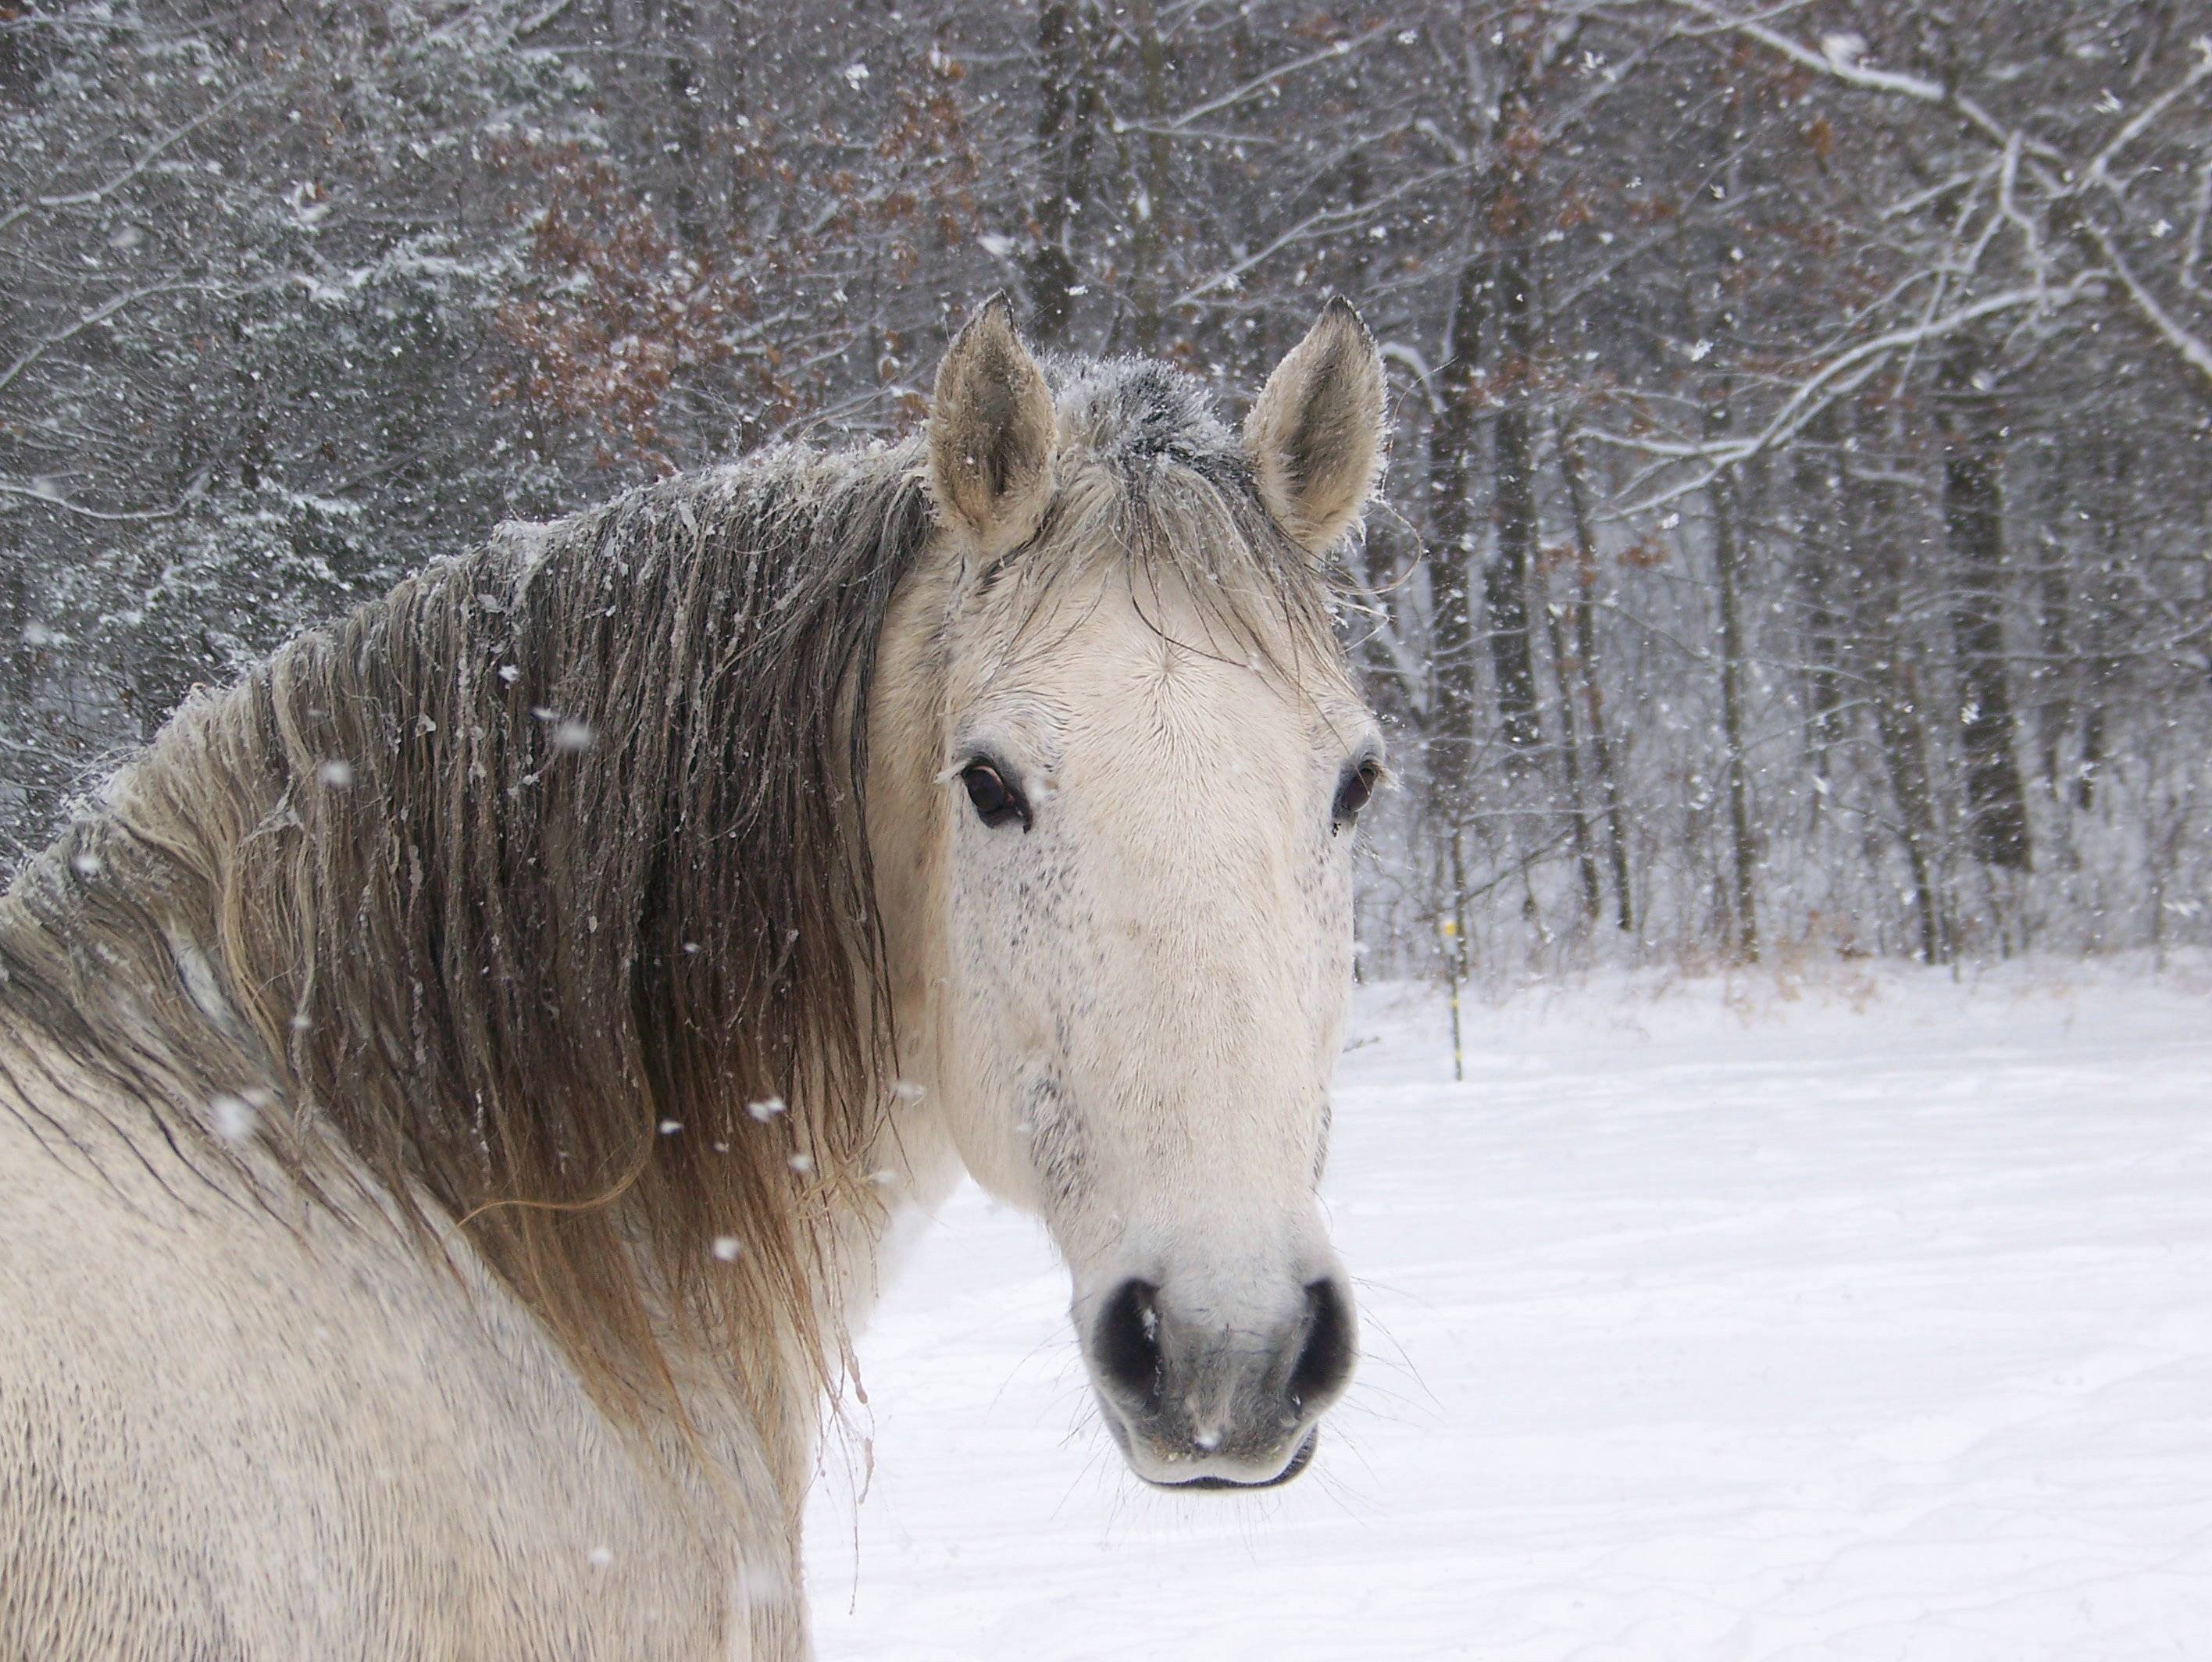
<point>551,848</point>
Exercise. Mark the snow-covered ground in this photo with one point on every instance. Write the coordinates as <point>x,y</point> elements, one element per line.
<point>1867,1319</point>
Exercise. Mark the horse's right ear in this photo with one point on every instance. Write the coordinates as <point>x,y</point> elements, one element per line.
<point>991,432</point>
<point>1316,432</point>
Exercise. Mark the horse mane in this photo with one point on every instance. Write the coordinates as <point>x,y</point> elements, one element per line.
<point>538,886</point>
<point>537,893</point>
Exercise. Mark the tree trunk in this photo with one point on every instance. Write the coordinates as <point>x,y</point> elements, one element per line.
<point>2054,590</point>
<point>1067,113</point>
<point>689,136</point>
<point>1904,757</point>
<point>1451,749</point>
<point>1973,519</point>
<point>2105,620</point>
<point>1578,825</point>
<point>1742,845</point>
<point>1872,554</point>
<point>1150,199</point>
<point>1602,760</point>
<point>1817,486</point>
<point>1505,579</point>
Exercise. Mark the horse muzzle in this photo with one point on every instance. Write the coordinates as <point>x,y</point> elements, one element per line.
<point>1199,1398</point>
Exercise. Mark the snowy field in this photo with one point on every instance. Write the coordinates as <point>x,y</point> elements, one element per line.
<point>1867,1319</point>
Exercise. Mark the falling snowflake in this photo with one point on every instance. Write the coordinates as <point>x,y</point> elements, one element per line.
<point>231,1117</point>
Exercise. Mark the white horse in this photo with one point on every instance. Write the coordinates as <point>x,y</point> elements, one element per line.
<point>458,1081</point>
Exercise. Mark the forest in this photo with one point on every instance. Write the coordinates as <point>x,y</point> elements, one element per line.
<point>1797,537</point>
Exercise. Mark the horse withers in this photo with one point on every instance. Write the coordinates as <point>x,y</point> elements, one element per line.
<point>458,1080</point>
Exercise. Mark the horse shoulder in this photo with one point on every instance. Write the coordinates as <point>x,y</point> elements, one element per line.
<point>237,1428</point>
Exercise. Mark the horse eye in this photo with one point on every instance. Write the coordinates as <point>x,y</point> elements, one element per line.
<point>997,802</point>
<point>1352,793</point>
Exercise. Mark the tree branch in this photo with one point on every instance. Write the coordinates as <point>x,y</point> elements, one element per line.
<point>2193,348</point>
<point>1852,74</point>
<point>152,153</point>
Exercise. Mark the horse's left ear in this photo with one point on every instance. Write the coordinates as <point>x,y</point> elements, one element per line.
<point>1315,434</point>
<point>991,432</point>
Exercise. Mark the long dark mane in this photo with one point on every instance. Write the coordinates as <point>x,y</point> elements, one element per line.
<point>533,891</point>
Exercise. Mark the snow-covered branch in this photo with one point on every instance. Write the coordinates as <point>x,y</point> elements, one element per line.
<point>48,497</point>
<point>1841,375</point>
<point>1841,63</point>
<point>2098,173</point>
<point>104,313</point>
<point>108,188</point>
<point>2191,347</point>
<point>1273,77</point>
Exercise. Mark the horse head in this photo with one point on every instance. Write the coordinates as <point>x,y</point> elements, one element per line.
<point>1116,758</point>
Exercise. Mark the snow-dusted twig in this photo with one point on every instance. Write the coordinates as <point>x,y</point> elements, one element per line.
<point>544,16</point>
<point>2192,250</point>
<point>1850,72</point>
<point>98,315</point>
<point>1405,667</point>
<point>1417,365</point>
<point>2193,348</point>
<point>2008,206</point>
<point>49,498</point>
<point>1260,83</point>
<point>145,159</point>
<point>1840,375</point>
<point>1322,221</point>
<point>2098,173</point>
<point>1937,192</point>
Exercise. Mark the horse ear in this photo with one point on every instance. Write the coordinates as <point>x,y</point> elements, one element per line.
<point>1315,434</point>
<point>991,432</point>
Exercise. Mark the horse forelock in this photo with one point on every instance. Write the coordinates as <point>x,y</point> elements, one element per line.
<point>1155,487</point>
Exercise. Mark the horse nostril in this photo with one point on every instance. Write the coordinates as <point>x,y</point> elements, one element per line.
<point>1324,1364</point>
<point>1127,1341</point>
